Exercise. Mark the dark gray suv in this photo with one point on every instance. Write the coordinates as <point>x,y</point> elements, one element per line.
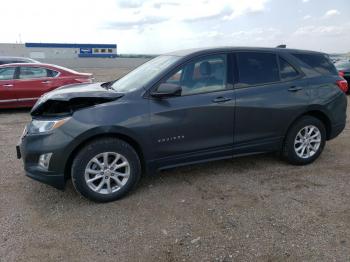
<point>184,108</point>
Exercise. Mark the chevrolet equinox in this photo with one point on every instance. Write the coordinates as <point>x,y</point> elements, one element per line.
<point>183,108</point>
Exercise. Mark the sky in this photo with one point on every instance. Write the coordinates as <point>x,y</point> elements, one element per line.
<point>160,26</point>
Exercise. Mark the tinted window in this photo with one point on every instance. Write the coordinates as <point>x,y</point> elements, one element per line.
<point>257,68</point>
<point>51,73</point>
<point>7,73</point>
<point>206,74</point>
<point>287,71</point>
<point>32,72</point>
<point>318,62</point>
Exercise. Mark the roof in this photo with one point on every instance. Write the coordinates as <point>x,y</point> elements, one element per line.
<point>204,50</point>
<point>67,45</point>
<point>48,66</point>
<point>28,64</point>
<point>15,58</point>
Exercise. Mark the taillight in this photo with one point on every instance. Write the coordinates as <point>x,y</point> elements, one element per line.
<point>341,73</point>
<point>343,85</point>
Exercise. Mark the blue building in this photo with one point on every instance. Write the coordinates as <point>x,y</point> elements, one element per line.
<point>58,50</point>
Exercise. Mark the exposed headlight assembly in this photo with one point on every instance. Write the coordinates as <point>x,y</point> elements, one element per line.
<point>41,126</point>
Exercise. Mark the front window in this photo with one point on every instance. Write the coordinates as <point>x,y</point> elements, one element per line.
<point>144,73</point>
<point>206,74</point>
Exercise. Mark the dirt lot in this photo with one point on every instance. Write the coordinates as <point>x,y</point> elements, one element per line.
<point>248,209</point>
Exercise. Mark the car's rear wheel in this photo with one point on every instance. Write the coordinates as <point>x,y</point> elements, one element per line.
<point>305,141</point>
<point>106,169</point>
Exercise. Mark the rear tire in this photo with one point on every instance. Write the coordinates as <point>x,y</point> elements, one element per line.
<point>106,170</point>
<point>304,141</point>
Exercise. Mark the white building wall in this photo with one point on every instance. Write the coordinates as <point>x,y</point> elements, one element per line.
<point>40,52</point>
<point>13,50</point>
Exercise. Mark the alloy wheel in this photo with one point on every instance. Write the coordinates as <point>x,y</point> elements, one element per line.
<point>107,172</point>
<point>307,141</point>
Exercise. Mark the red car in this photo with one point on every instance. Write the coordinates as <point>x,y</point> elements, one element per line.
<point>22,84</point>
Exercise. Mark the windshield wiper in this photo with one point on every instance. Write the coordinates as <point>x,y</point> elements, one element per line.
<point>108,85</point>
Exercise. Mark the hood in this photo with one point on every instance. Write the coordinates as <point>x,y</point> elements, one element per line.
<point>67,99</point>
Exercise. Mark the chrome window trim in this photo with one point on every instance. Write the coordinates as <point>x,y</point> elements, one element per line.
<point>19,100</point>
<point>46,68</point>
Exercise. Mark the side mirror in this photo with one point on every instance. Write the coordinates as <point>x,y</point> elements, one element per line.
<point>167,90</point>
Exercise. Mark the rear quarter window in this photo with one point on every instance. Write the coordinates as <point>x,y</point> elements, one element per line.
<point>319,62</point>
<point>52,73</point>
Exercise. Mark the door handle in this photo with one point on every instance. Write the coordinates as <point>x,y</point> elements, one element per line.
<point>221,99</point>
<point>8,85</point>
<point>46,82</point>
<point>294,88</point>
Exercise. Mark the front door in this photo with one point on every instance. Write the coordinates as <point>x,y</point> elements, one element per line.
<point>199,123</point>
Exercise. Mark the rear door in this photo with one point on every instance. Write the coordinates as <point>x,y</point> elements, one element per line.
<point>270,92</point>
<point>7,94</point>
<point>31,83</point>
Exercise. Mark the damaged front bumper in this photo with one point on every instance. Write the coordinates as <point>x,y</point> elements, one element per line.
<point>31,147</point>
<point>46,148</point>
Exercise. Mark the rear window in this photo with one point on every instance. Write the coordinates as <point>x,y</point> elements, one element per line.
<point>343,65</point>
<point>319,62</point>
<point>32,72</point>
<point>257,68</point>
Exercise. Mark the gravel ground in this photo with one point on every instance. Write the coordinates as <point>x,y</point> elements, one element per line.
<point>246,209</point>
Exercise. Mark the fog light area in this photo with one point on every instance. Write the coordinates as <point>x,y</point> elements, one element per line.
<point>44,160</point>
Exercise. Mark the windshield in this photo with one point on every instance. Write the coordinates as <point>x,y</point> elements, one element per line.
<point>144,73</point>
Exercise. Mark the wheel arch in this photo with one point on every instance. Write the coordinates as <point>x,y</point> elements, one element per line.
<point>83,142</point>
<point>317,113</point>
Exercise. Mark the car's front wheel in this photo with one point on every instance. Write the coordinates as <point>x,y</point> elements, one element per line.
<point>305,141</point>
<point>106,169</point>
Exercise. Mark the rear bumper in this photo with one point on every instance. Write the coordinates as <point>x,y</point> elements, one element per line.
<point>336,130</point>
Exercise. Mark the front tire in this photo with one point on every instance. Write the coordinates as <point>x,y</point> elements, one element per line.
<point>106,170</point>
<point>305,141</point>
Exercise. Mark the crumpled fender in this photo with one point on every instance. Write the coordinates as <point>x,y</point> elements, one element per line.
<point>66,100</point>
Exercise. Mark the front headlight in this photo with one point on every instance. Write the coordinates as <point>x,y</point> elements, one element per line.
<point>40,126</point>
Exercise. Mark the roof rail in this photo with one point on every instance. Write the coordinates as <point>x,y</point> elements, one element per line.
<point>281,46</point>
